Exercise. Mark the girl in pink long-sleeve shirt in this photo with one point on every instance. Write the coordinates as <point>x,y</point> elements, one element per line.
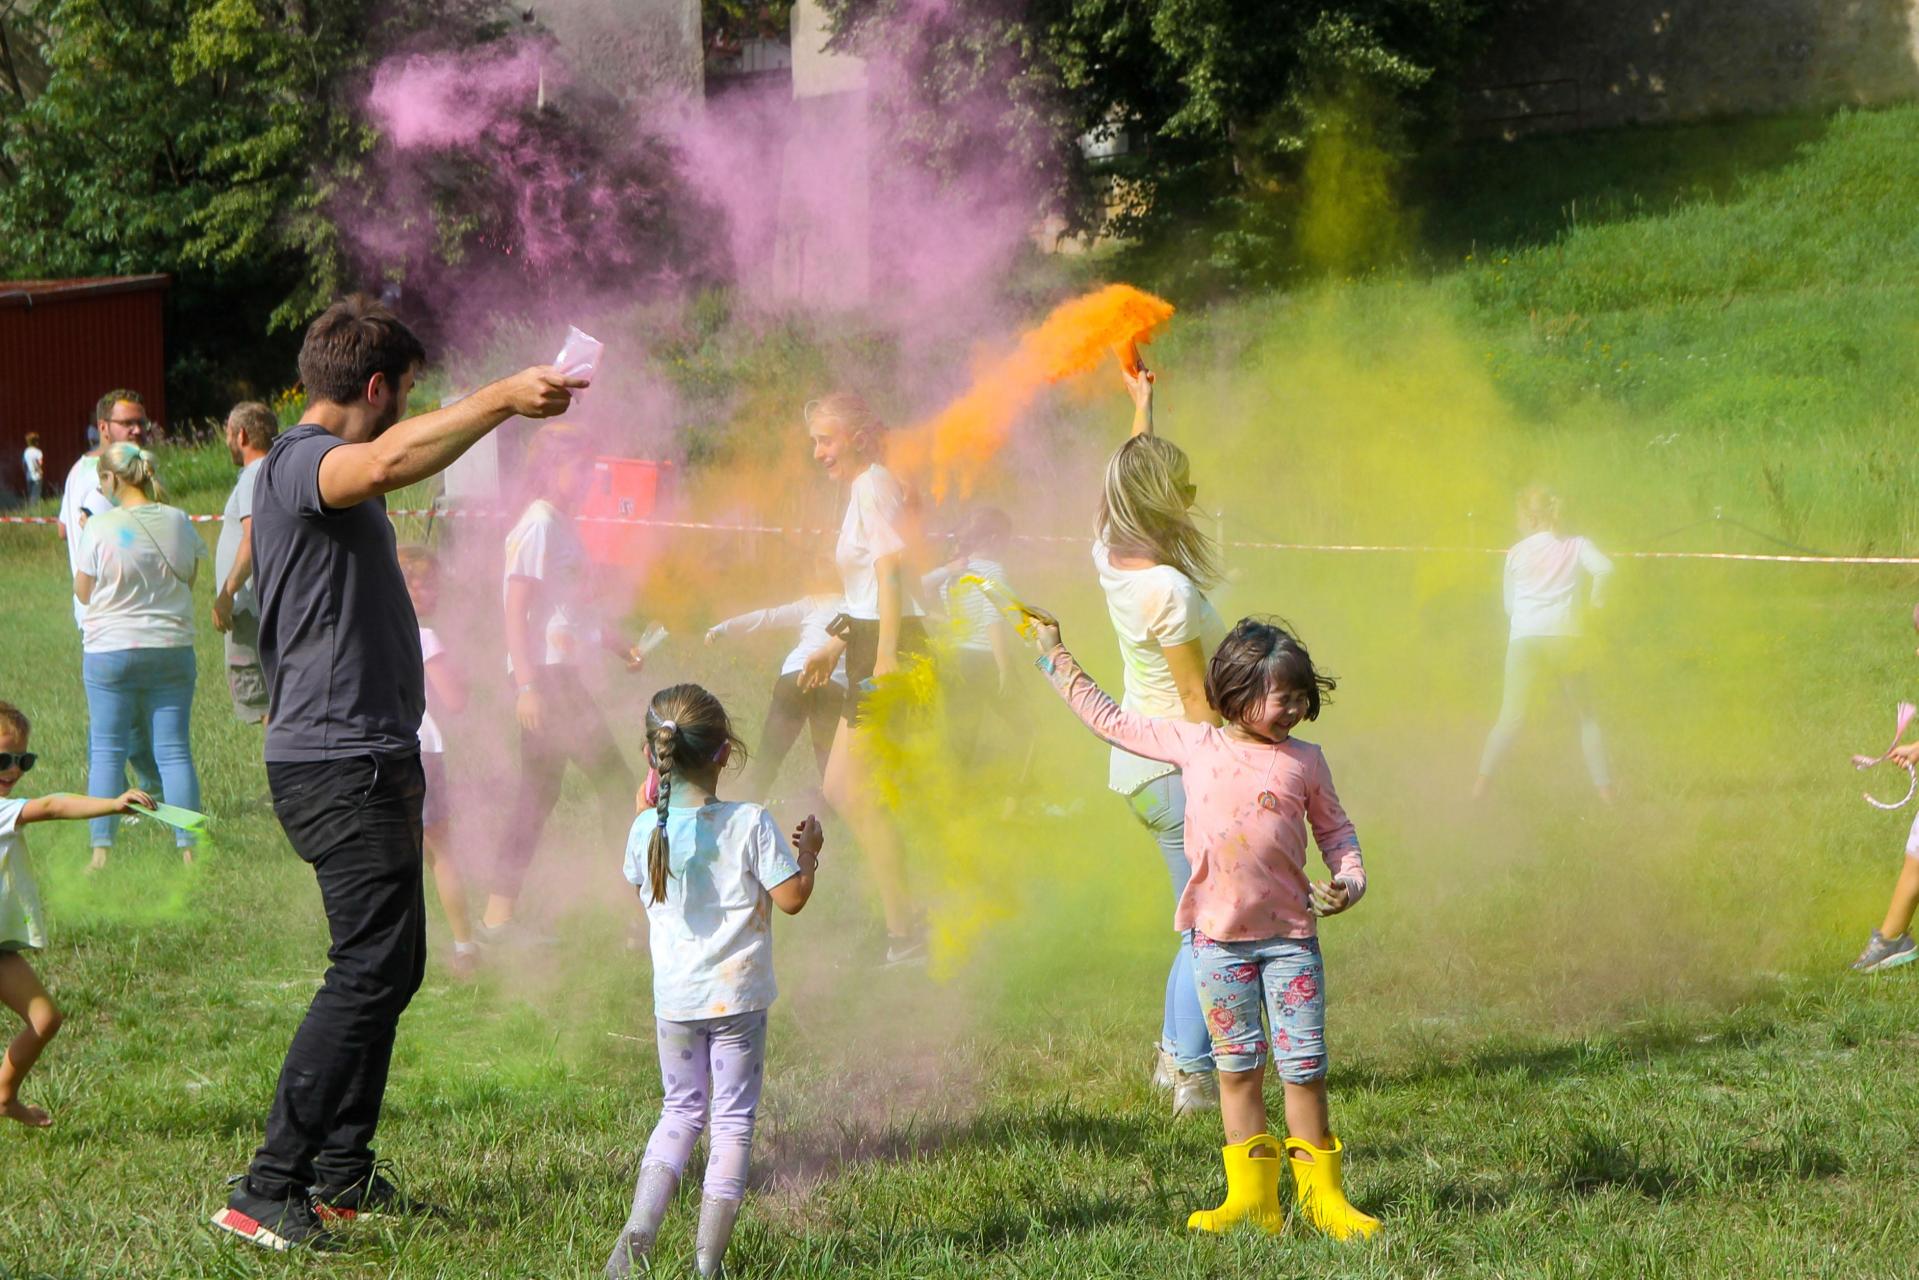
<point>1251,792</point>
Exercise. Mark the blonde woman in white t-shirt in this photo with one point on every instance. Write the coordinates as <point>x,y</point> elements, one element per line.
<point>1544,573</point>
<point>1154,564</point>
<point>137,563</point>
<point>883,622</point>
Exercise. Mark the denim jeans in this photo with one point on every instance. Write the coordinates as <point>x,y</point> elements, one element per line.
<point>1160,806</point>
<point>1268,987</point>
<point>135,693</point>
<point>357,823</point>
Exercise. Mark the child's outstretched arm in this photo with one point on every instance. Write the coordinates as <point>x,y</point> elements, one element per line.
<point>792,893</point>
<point>1169,740</point>
<point>69,808</point>
<point>1338,844</point>
<point>1597,567</point>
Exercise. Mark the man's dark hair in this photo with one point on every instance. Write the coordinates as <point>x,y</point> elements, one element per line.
<point>256,422</point>
<point>103,411</point>
<point>351,341</point>
<point>1257,656</point>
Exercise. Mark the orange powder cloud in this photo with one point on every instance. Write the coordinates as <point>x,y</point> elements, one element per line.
<point>950,450</point>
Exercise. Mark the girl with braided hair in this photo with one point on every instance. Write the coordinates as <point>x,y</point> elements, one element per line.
<point>708,872</point>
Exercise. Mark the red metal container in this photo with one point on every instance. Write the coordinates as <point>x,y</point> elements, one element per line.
<point>64,344</point>
<point>623,489</point>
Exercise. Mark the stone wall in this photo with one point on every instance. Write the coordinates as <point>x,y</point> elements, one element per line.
<point>1581,64</point>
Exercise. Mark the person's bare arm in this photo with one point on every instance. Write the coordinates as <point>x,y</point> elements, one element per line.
<point>1140,387</point>
<point>887,570</point>
<point>427,445</point>
<point>83,588</point>
<point>520,593</point>
<point>1187,662</point>
<point>446,684</point>
<point>237,577</point>
<point>790,894</point>
<point>63,807</point>
<point>1002,653</point>
<point>820,667</point>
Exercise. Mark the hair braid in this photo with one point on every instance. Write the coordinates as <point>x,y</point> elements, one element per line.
<point>665,739</point>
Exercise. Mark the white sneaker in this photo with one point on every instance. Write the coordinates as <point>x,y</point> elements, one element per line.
<point>1194,1091</point>
<point>1163,1067</point>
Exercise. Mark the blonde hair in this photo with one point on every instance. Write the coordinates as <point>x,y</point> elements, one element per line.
<point>1539,507</point>
<point>1143,509</point>
<point>685,727</point>
<point>852,412</point>
<point>131,465</point>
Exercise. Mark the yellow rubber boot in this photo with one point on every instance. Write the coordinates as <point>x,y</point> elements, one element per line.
<point>1322,1197</point>
<point>1252,1189</point>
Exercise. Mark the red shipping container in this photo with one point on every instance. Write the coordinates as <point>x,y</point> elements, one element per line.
<point>64,344</point>
<point>623,489</point>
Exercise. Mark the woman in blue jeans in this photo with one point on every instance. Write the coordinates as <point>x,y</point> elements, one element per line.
<point>1153,565</point>
<point>136,569</point>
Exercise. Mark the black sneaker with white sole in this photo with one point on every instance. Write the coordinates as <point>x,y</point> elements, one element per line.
<point>374,1196</point>
<point>279,1225</point>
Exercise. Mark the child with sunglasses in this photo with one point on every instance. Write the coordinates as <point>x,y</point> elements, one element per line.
<point>22,926</point>
<point>1252,790</point>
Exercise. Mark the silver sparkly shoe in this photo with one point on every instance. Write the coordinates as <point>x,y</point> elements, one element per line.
<point>651,1194</point>
<point>716,1232</point>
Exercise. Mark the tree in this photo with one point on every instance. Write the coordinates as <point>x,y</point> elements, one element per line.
<point>1208,109</point>
<point>199,138</point>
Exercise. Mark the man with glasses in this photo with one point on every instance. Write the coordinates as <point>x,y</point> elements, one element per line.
<point>119,415</point>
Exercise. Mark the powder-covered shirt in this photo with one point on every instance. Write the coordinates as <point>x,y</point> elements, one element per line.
<point>1542,583</point>
<point>1152,609</point>
<point>22,923</point>
<point>232,531</point>
<point>80,500</point>
<point>810,614</point>
<point>545,548</point>
<point>339,642</point>
<point>1248,805</point>
<point>970,611</point>
<point>431,743</point>
<point>870,531</point>
<point>712,935</point>
<point>142,561</point>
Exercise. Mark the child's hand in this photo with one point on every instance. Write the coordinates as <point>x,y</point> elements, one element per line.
<point>527,707</point>
<point>129,800</point>
<point>1907,755</point>
<point>819,668</point>
<point>712,635</point>
<point>1330,897</point>
<point>635,659</point>
<point>808,839</point>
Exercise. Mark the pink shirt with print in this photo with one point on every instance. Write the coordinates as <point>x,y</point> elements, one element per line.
<point>1247,808</point>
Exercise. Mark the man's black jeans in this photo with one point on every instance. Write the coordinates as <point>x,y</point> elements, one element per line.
<point>357,822</point>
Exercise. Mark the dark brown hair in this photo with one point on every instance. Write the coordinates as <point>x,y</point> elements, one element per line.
<point>685,725</point>
<point>1257,656</point>
<point>103,409</point>
<point>12,717</point>
<point>413,555</point>
<point>351,341</point>
<point>256,422</point>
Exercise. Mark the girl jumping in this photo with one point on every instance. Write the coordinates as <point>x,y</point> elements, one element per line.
<point>1251,791</point>
<point>1543,573</point>
<point>709,872</point>
<point>22,926</point>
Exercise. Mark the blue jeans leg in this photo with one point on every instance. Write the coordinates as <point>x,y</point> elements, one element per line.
<point>110,714</point>
<point>1161,807</point>
<point>168,677</point>
<point>144,694</point>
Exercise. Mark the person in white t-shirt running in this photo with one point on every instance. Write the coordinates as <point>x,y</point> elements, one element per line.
<point>1544,573</point>
<point>1154,565</point>
<point>555,635</point>
<point>883,623</point>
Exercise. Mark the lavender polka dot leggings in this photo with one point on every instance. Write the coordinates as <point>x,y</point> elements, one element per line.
<point>726,1059</point>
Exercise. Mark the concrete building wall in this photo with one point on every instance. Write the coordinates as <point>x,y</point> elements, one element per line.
<point>1573,64</point>
<point>633,49</point>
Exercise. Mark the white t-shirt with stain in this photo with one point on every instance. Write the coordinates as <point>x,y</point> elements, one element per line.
<point>142,561</point>
<point>545,548</point>
<point>22,924</point>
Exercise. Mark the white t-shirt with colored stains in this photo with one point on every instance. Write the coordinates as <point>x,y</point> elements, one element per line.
<point>712,935</point>
<point>22,924</point>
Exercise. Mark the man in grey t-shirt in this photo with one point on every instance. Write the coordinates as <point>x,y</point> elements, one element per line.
<point>341,651</point>
<point>251,428</point>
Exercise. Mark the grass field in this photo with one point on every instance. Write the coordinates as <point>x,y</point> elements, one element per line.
<point>1568,1041</point>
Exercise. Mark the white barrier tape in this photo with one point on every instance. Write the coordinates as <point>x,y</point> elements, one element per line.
<point>1335,547</point>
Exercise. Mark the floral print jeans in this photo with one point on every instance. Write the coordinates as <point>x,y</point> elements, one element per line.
<point>1249,990</point>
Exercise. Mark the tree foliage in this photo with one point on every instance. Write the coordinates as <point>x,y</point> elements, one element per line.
<point>1196,117</point>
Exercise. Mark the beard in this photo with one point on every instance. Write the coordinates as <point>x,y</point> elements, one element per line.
<point>387,419</point>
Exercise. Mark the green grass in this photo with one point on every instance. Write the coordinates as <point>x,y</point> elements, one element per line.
<point>1567,1041</point>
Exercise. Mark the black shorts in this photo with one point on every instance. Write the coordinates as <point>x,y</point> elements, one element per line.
<point>863,650</point>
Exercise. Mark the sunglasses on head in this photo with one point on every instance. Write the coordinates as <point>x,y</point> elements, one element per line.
<point>25,759</point>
